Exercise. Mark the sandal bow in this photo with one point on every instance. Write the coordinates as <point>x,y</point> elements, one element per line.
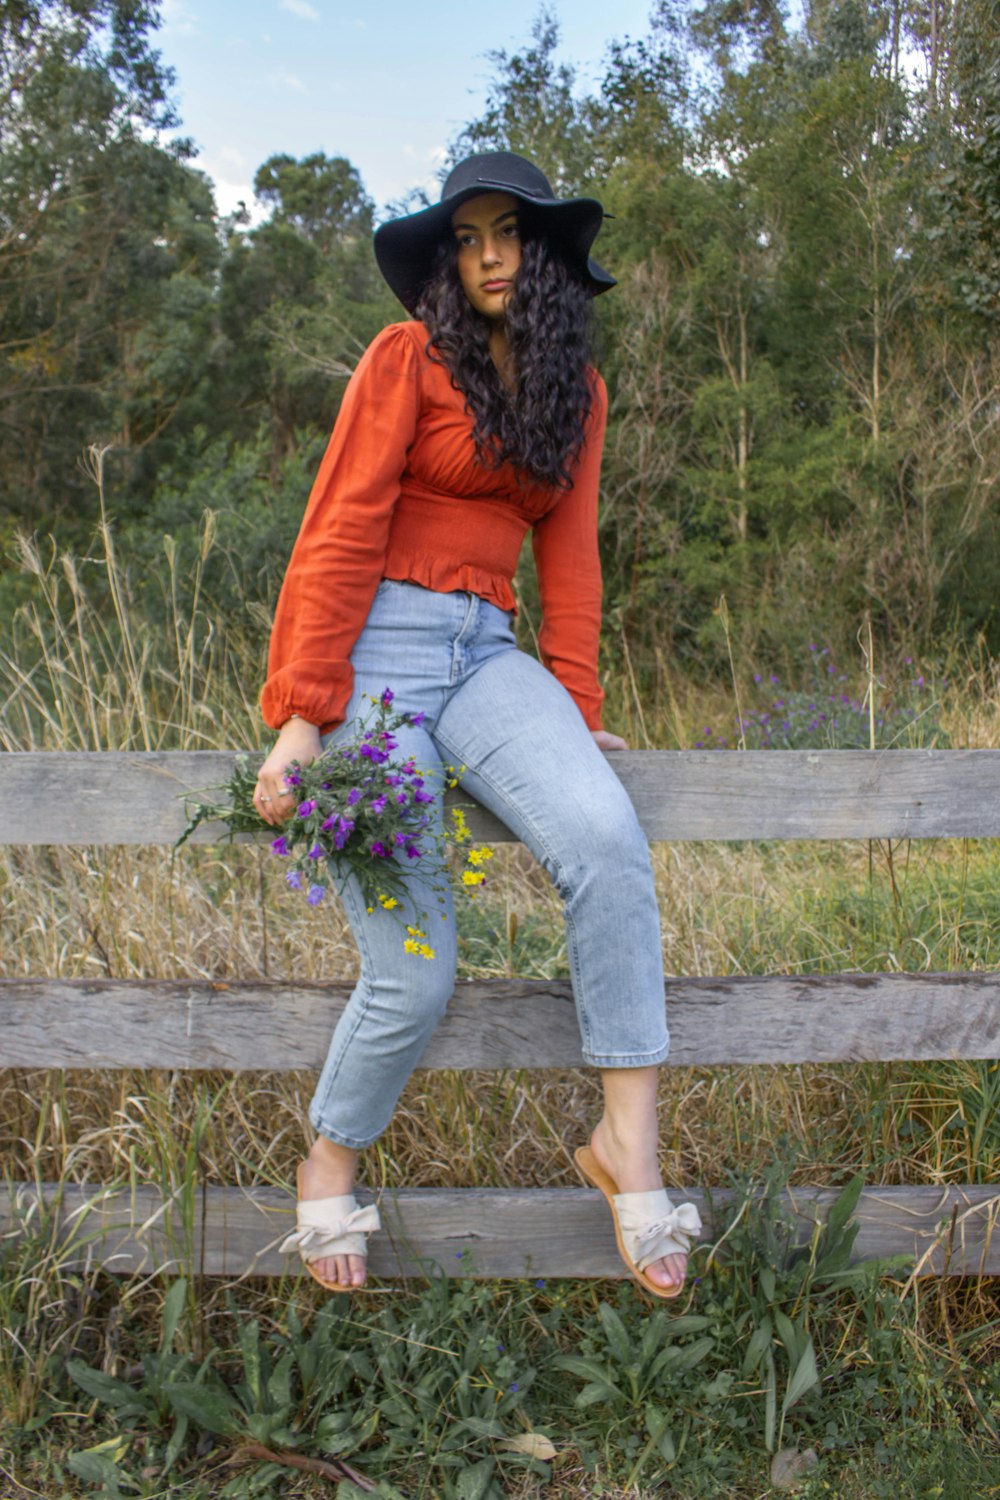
<point>653,1227</point>
<point>331,1226</point>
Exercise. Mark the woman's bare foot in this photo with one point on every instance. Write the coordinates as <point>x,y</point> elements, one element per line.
<point>328,1172</point>
<point>634,1167</point>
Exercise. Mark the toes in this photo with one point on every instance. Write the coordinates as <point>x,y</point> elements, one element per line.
<point>356,1270</point>
<point>670,1271</point>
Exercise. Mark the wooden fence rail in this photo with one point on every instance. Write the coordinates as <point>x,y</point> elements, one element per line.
<point>137,798</point>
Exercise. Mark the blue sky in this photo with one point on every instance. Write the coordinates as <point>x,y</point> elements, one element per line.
<point>386,85</point>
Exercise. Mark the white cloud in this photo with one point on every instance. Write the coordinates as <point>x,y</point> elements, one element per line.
<point>232,157</point>
<point>177,18</point>
<point>290,81</point>
<point>301,8</point>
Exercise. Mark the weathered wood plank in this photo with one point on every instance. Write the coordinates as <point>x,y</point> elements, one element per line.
<point>50,1023</point>
<point>481,1232</point>
<point>135,797</point>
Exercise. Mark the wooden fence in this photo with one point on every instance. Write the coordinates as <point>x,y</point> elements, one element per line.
<point>135,798</point>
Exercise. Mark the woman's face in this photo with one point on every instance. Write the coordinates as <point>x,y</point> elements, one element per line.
<point>489,250</point>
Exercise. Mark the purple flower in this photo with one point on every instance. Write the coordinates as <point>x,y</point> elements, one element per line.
<point>387,697</point>
<point>316,852</point>
<point>378,804</point>
<point>345,828</point>
<point>401,799</point>
<point>419,796</point>
<point>379,851</point>
<point>316,894</point>
<point>410,767</point>
<point>400,840</point>
<point>417,719</point>
<point>294,880</point>
<point>377,757</point>
<point>280,844</point>
<point>354,795</point>
<point>305,808</point>
<point>394,781</point>
<point>412,852</point>
<point>291,779</point>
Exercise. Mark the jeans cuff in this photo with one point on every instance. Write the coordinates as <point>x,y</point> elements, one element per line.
<point>338,1137</point>
<point>627,1059</point>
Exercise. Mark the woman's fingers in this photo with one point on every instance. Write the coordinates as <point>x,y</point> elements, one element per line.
<point>298,742</point>
<point>274,803</point>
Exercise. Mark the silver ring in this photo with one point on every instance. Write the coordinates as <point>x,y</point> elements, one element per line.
<point>265,799</point>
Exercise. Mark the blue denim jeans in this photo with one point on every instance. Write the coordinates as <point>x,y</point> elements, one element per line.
<point>530,758</point>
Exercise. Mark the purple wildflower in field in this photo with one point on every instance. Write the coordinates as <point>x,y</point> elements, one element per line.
<point>354,795</point>
<point>401,839</point>
<point>316,852</point>
<point>292,780</point>
<point>402,799</point>
<point>394,781</point>
<point>421,796</point>
<point>280,844</point>
<point>377,804</point>
<point>305,808</point>
<point>416,719</point>
<point>294,880</point>
<point>316,894</point>
<point>387,696</point>
<point>412,852</point>
<point>379,850</point>
<point>345,827</point>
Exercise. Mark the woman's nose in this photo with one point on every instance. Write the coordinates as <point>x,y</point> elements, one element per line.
<point>492,254</point>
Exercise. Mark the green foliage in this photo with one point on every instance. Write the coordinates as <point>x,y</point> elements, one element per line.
<point>425,1393</point>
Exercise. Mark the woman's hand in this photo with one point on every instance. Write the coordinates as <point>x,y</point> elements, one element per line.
<point>299,741</point>
<point>606,741</point>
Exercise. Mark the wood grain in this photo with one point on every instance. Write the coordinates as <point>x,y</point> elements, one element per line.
<point>109,797</point>
<point>953,1230</point>
<point>500,1023</point>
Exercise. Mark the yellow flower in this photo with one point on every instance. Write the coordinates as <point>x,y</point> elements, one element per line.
<point>421,949</point>
<point>461,823</point>
<point>389,902</point>
<point>472,877</point>
<point>415,932</point>
<point>479,856</point>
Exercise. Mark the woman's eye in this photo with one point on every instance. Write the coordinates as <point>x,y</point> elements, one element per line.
<point>509,231</point>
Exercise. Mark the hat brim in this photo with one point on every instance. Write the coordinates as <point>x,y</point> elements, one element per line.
<point>405,248</point>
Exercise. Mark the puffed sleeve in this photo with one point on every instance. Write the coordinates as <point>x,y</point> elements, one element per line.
<point>564,542</point>
<point>337,561</point>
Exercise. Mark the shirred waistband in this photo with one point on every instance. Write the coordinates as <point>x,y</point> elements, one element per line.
<point>428,544</point>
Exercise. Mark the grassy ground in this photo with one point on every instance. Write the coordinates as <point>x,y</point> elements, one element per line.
<point>157,1388</point>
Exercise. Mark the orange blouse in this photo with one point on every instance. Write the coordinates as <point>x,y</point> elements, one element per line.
<point>400,495</point>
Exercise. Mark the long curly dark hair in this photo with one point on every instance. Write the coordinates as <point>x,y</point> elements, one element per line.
<point>539,424</point>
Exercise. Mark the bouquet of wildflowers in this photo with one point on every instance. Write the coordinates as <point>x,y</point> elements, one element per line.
<point>360,812</point>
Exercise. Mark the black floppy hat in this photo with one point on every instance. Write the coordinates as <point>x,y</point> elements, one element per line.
<point>405,248</point>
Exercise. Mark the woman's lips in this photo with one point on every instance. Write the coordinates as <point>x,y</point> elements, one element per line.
<point>495,286</point>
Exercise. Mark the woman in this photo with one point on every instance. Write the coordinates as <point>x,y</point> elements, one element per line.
<point>459,432</point>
